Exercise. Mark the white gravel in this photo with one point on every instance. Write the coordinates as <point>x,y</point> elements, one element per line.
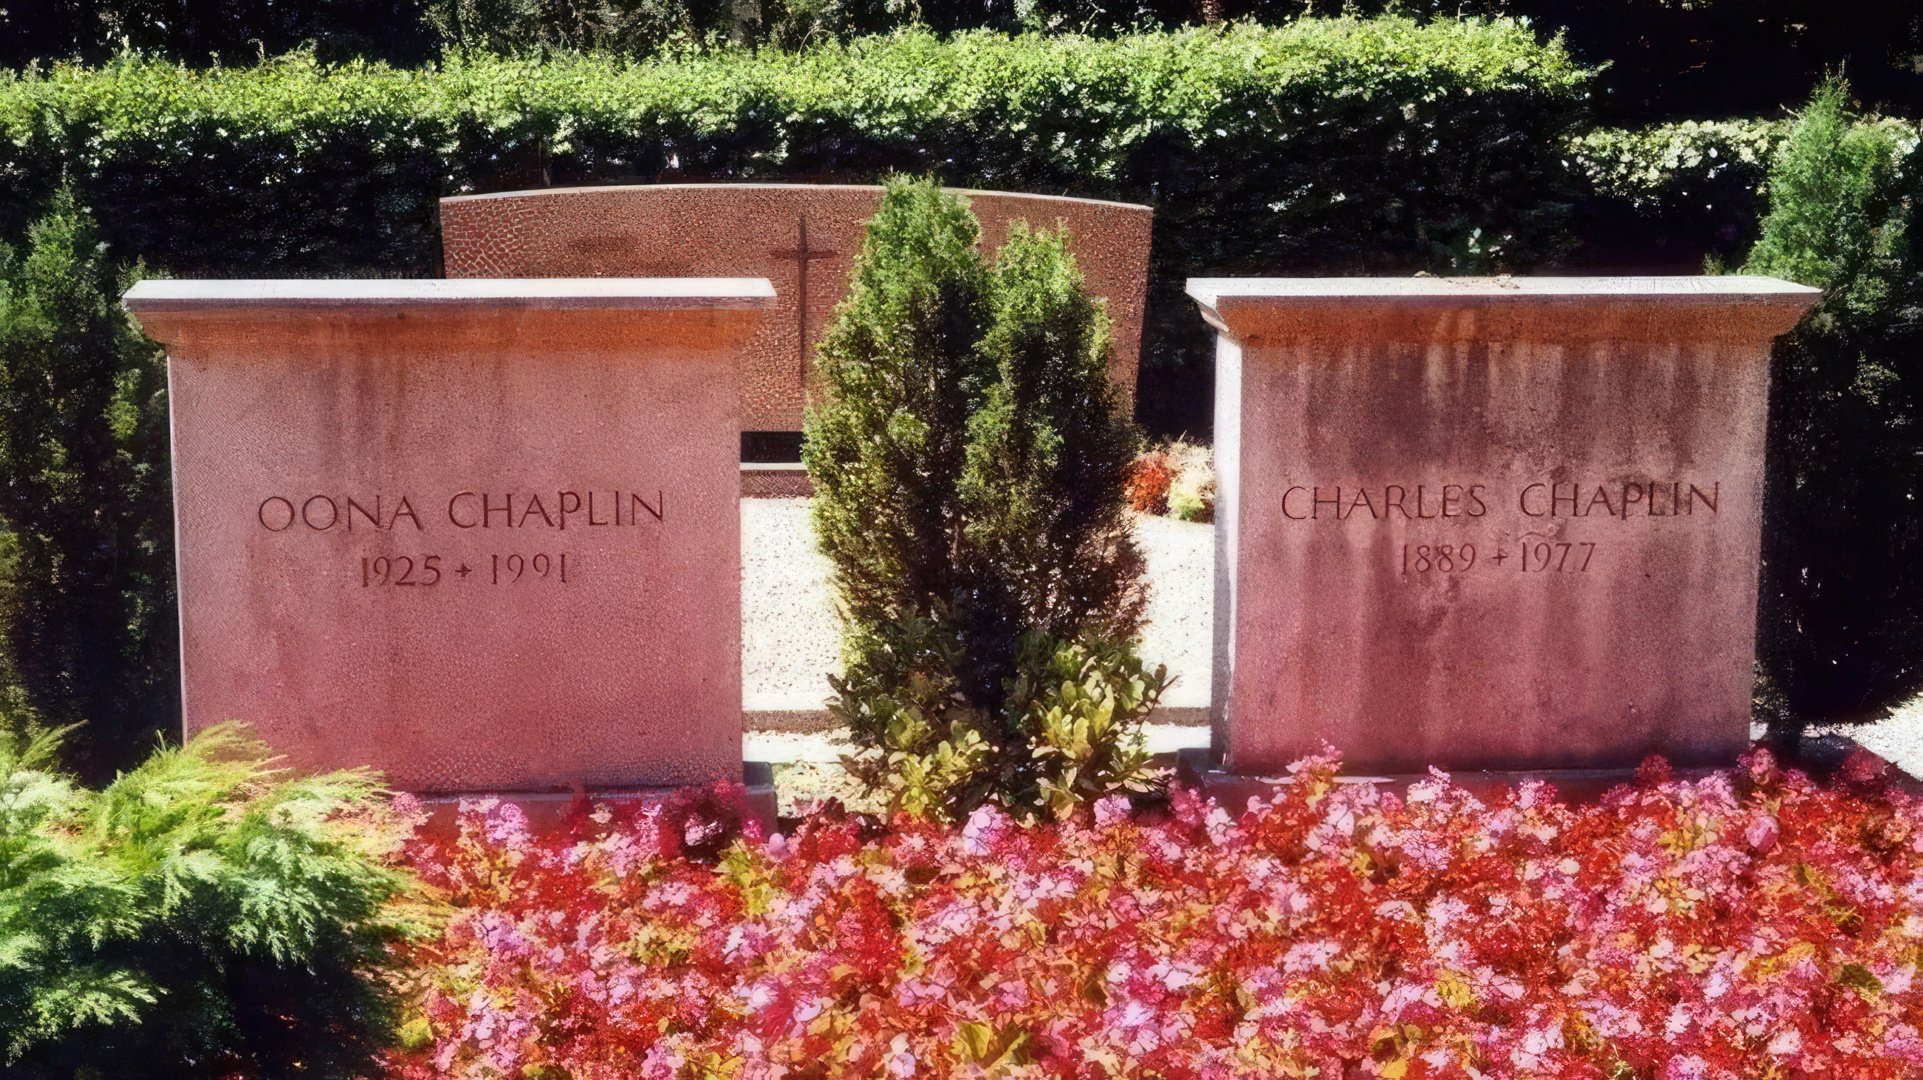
<point>790,639</point>
<point>1897,738</point>
<point>823,747</point>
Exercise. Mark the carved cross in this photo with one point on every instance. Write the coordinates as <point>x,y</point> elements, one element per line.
<point>802,254</point>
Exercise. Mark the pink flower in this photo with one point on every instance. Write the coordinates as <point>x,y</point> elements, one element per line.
<point>507,827</point>
<point>1112,810</point>
<point>984,827</point>
<point>901,1061</point>
<point>1689,1067</point>
<point>1786,1043</point>
<point>1689,930</point>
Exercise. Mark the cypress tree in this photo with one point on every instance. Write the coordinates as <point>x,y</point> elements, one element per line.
<point>88,616</point>
<point>1843,533</point>
<point>969,469</point>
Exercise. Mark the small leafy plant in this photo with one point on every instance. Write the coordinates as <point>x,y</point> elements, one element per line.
<point>1176,479</point>
<point>970,472</point>
<point>203,915</point>
<point>1192,496</point>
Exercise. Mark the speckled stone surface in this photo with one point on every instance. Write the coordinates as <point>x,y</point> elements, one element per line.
<point>376,485</point>
<point>1501,524</point>
<point>802,237</point>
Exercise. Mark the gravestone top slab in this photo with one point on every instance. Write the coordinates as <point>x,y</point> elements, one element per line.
<point>1728,307</point>
<point>156,294</point>
<point>1664,289</point>
<point>750,186</point>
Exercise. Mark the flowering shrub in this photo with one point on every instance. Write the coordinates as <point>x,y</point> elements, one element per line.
<point>1149,478</point>
<point>1753,924</point>
<point>1176,480</point>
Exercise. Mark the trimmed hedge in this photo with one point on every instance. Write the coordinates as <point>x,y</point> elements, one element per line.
<point>1665,196</point>
<point>1328,145</point>
<point>1669,194</point>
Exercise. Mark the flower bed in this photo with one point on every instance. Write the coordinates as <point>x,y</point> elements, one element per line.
<point>1753,924</point>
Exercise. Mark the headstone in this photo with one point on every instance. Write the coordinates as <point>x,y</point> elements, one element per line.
<point>803,237</point>
<point>481,535</point>
<point>1491,524</point>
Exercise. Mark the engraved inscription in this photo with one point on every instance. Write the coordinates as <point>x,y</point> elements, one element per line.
<point>464,512</point>
<point>1530,557</point>
<point>1623,499</point>
<point>509,569</point>
<point>1544,505</point>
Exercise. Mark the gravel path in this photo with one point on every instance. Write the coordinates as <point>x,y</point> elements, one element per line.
<point>1898,737</point>
<point>790,639</point>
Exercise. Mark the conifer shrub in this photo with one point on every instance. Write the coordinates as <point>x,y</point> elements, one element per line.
<point>970,469</point>
<point>87,611</point>
<point>204,915</point>
<point>1841,607</point>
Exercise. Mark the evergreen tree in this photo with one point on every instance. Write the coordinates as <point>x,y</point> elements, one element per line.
<point>969,470</point>
<point>903,371</point>
<point>1041,494</point>
<point>88,617</point>
<point>1841,604</point>
<point>1832,221</point>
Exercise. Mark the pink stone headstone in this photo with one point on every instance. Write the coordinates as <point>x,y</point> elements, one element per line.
<point>1505,524</point>
<point>802,237</point>
<point>480,535</point>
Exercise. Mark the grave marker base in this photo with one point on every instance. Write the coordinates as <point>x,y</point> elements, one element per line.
<point>1195,769</point>
<point>546,809</point>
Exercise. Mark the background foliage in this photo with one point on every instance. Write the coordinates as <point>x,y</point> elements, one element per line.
<point>87,620</point>
<point>1323,146</point>
<point>1664,58</point>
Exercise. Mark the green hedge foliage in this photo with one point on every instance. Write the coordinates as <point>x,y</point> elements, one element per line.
<point>1335,145</point>
<point>1661,58</point>
<point>1669,194</point>
<point>87,621</point>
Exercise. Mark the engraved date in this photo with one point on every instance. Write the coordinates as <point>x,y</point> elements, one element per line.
<point>426,571</point>
<point>1529,556</point>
